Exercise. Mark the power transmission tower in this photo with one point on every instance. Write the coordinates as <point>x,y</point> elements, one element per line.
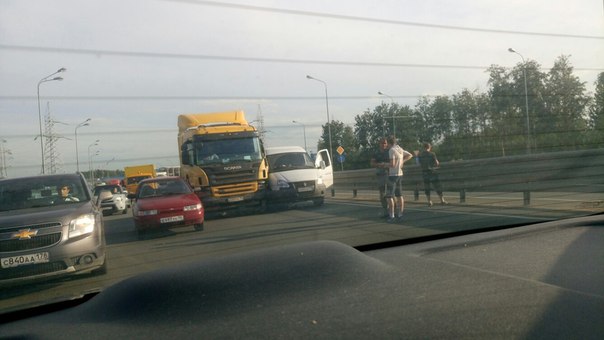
<point>51,153</point>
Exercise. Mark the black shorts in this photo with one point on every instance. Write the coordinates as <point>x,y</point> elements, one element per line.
<point>394,186</point>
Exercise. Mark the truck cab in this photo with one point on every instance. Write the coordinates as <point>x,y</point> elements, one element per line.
<point>222,158</point>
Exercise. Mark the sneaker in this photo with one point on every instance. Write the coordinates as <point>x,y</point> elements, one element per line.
<point>399,219</point>
<point>391,220</point>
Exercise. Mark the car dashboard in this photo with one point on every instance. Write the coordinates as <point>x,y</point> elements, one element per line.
<point>537,281</point>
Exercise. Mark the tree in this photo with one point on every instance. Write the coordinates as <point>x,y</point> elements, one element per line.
<point>562,125</point>
<point>596,114</point>
<point>433,118</point>
<point>341,135</point>
<point>371,125</point>
<point>469,121</point>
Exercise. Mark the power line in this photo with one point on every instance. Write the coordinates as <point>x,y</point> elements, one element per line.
<point>98,52</point>
<point>380,21</point>
<point>167,98</point>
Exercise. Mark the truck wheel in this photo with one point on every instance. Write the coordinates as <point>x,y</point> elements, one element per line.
<point>262,207</point>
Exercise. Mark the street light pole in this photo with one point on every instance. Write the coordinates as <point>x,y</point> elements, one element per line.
<point>528,127</point>
<point>327,106</point>
<point>84,123</point>
<point>43,80</point>
<point>304,131</point>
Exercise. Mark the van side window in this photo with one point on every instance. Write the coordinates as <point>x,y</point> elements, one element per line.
<point>325,158</point>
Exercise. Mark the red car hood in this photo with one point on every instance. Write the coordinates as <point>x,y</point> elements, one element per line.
<point>167,202</point>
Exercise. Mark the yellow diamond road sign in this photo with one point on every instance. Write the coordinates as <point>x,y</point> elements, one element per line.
<point>340,150</point>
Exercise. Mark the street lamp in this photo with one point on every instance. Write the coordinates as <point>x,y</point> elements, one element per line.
<point>43,80</point>
<point>84,123</point>
<point>528,127</point>
<point>327,106</point>
<point>304,131</point>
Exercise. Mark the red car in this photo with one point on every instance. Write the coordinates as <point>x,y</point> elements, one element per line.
<point>165,202</point>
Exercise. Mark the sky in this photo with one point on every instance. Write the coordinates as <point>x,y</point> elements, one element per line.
<point>133,66</point>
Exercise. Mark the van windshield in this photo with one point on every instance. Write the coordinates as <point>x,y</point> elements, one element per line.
<point>289,161</point>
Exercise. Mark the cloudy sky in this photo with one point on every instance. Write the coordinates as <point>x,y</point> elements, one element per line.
<point>134,65</point>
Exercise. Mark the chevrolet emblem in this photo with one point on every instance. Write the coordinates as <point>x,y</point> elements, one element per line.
<point>25,234</point>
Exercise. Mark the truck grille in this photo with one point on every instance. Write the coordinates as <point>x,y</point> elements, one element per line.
<point>235,189</point>
<point>233,182</point>
<point>241,176</point>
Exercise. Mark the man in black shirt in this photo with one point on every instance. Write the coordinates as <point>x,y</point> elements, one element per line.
<point>380,161</point>
<point>430,164</point>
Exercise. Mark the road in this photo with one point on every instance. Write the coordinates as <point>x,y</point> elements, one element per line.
<point>353,222</point>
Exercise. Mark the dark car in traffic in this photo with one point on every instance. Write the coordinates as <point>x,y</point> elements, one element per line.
<point>49,226</point>
<point>165,202</point>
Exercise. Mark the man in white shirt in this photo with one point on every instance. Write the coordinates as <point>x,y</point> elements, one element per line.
<point>394,191</point>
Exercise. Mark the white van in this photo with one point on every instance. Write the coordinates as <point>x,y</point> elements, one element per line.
<point>295,177</point>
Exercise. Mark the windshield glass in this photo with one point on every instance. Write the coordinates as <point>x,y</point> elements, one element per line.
<point>163,188</point>
<point>289,161</point>
<point>18,194</point>
<point>425,118</point>
<point>114,189</point>
<point>224,151</point>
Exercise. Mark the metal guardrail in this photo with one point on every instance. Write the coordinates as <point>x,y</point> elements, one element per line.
<point>572,171</point>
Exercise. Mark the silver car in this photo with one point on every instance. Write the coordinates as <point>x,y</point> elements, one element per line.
<point>49,226</point>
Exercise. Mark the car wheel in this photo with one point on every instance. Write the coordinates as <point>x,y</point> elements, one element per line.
<point>141,233</point>
<point>198,226</point>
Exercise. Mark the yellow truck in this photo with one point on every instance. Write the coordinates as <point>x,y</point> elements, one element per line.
<point>135,174</point>
<point>223,159</point>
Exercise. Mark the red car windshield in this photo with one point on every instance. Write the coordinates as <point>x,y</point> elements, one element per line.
<point>163,188</point>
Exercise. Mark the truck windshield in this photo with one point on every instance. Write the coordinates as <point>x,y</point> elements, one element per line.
<point>224,151</point>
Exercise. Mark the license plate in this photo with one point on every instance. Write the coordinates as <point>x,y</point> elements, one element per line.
<point>21,260</point>
<point>171,219</point>
<point>235,199</point>
<point>305,189</point>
